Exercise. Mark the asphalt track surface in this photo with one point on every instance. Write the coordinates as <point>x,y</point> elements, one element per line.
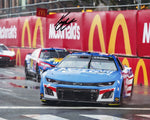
<point>20,100</point>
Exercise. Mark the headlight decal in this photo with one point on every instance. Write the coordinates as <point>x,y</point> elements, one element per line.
<point>105,84</point>
<point>104,91</point>
<point>52,88</point>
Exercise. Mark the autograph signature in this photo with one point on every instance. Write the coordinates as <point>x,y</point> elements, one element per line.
<point>62,24</point>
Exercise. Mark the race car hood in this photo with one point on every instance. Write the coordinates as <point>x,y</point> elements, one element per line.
<point>83,75</point>
<point>7,53</point>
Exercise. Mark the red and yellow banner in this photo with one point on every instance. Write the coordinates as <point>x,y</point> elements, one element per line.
<point>9,33</point>
<point>143,33</point>
<point>33,32</point>
<point>140,69</point>
<point>72,34</point>
<point>121,27</point>
<point>108,32</point>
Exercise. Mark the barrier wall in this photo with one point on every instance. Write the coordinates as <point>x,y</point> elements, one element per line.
<point>143,33</point>
<point>109,32</point>
<point>124,33</point>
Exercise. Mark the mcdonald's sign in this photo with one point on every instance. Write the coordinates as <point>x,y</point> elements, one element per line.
<point>143,22</point>
<point>34,33</point>
<point>118,30</point>
<point>42,12</point>
<point>18,56</point>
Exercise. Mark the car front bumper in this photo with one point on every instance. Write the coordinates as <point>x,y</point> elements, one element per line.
<point>107,95</point>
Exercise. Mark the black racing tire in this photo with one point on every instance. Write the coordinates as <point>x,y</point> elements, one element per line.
<point>121,95</point>
<point>37,76</point>
<point>26,72</point>
<point>12,64</point>
<point>120,103</point>
<point>49,102</point>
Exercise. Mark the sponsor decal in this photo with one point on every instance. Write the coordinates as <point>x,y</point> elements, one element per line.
<point>140,64</point>
<point>146,33</point>
<point>96,22</point>
<point>41,12</point>
<point>18,56</point>
<point>37,25</point>
<point>8,33</point>
<point>71,32</point>
<point>119,21</point>
<point>125,62</point>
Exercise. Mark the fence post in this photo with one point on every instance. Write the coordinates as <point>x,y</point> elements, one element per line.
<point>139,4</point>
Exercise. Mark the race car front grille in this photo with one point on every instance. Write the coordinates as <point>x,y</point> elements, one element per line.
<point>77,83</point>
<point>4,60</point>
<point>77,94</point>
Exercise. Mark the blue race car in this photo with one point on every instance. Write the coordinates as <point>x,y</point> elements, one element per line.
<point>41,60</point>
<point>87,77</point>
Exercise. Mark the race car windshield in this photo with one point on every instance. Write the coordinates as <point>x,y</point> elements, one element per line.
<point>2,47</point>
<point>62,53</point>
<point>73,61</point>
<point>47,54</point>
<point>88,62</point>
<point>103,63</point>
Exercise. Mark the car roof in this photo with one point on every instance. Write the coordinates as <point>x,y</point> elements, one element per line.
<point>94,54</point>
<point>53,49</point>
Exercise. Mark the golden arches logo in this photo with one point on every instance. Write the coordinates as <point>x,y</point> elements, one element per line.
<point>141,63</point>
<point>18,56</point>
<point>26,26</point>
<point>96,22</point>
<point>125,62</point>
<point>119,21</point>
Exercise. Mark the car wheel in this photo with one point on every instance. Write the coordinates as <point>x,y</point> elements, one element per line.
<point>38,77</point>
<point>49,102</point>
<point>11,64</point>
<point>26,72</point>
<point>121,96</point>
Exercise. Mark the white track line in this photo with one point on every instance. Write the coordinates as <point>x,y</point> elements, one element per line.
<point>143,115</point>
<point>44,117</point>
<point>2,118</point>
<point>103,117</point>
<point>5,89</point>
<point>72,108</point>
